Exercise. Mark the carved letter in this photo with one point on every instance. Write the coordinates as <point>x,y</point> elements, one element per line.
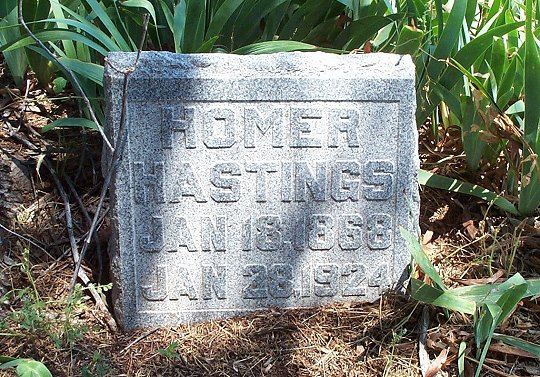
<point>148,184</point>
<point>213,236</point>
<point>224,119</point>
<point>177,119</point>
<point>254,120</point>
<point>302,121</point>
<point>261,168</point>
<point>343,189</point>
<point>326,277</point>
<point>184,235</point>
<point>350,231</point>
<point>286,181</point>
<point>228,189</point>
<point>343,120</point>
<point>213,281</point>
<point>321,233</point>
<point>156,290</point>
<point>183,285</point>
<point>269,233</point>
<point>378,179</point>
<point>304,178</point>
<point>188,185</point>
<point>153,240</point>
<point>379,231</point>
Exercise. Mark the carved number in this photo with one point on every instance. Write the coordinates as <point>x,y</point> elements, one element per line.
<point>257,286</point>
<point>280,280</point>
<point>327,280</point>
<point>354,275</point>
<point>276,281</point>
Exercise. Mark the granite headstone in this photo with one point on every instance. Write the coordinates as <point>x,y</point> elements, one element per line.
<point>250,182</point>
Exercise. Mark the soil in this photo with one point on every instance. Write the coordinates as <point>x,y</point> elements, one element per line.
<point>73,335</point>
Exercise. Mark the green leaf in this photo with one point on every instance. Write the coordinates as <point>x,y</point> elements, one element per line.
<point>438,181</point>
<point>56,7</point>
<point>421,258</point>
<point>269,47</point>
<point>179,22</point>
<point>532,348</point>
<point>484,329</point>
<point>91,71</point>
<point>109,25</point>
<point>473,145</point>
<point>359,31</point>
<point>445,299</point>
<point>529,198</point>
<point>17,60</point>
<point>32,368</point>
<point>70,122</point>
<point>491,293</point>
<point>222,15</point>
<point>511,296</point>
<point>467,55</point>
<point>208,45</point>
<point>145,4</point>
<point>195,24</point>
<point>507,84</point>
<point>84,24</point>
<point>448,38</point>
<point>25,367</point>
<point>59,84</point>
<point>461,359</point>
<point>51,35</point>
<point>409,41</point>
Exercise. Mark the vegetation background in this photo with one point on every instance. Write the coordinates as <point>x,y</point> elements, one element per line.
<point>478,112</point>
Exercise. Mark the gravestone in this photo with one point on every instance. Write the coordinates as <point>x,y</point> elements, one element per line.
<point>250,182</point>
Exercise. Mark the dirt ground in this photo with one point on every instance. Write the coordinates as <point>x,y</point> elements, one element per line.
<point>74,336</point>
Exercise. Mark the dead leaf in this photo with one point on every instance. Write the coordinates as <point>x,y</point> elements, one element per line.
<point>437,364</point>
<point>471,229</point>
<point>428,236</point>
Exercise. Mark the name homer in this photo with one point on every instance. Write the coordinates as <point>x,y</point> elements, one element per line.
<point>223,126</point>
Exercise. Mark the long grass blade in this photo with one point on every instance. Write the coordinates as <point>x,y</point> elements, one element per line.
<point>529,198</point>
<point>195,23</point>
<point>532,348</point>
<point>437,181</point>
<point>421,258</point>
<point>270,47</point>
<point>221,16</point>
<point>58,12</point>
<point>16,60</point>
<point>70,122</point>
<point>448,38</point>
<point>52,35</point>
<point>431,295</point>
<point>109,24</point>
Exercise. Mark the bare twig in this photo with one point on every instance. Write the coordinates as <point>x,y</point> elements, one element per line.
<point>81,274</point>
<point>68,72</point>
<point>88,223</point>
<point>116,157</point>
<point>27,240</point>
<point>149,332</point>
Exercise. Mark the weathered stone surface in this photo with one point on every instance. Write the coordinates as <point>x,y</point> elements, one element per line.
<point>250,182</point>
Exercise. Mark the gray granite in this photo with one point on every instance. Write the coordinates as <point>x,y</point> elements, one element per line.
<point>250,182</point>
